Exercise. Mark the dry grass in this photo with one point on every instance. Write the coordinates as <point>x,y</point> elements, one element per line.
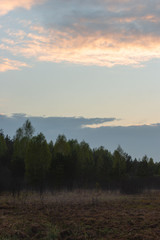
<point>80,215</point>
<point>62,197</point>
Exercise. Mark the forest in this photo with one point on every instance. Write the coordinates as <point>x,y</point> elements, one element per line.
<point>29,162</point>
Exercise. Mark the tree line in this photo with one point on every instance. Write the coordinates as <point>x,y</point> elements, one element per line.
<point>30,162</point>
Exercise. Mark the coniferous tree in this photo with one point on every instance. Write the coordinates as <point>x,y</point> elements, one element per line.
<point>37,161</point>
<point>20,146</point>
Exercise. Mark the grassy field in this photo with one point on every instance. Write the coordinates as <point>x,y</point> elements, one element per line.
<point>80,215</point>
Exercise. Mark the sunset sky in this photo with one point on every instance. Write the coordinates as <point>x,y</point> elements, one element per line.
<point>89,58</point>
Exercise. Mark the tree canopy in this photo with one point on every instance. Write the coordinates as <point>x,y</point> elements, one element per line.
<point>30,161</point>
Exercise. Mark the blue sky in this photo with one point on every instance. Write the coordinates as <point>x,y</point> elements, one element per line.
<point>90,59</point>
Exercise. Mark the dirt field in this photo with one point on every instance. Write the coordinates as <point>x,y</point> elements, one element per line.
<point>80,215</point>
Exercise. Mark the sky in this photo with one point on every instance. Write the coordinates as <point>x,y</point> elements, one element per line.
<point>91,60</point>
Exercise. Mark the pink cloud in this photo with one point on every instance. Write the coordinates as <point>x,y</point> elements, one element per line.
<point>107,33</point>
<point>102,50</point>
<point>7,64</point>
<point>9,5</point>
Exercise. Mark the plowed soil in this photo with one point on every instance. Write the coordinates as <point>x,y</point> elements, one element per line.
<point>100,216</point>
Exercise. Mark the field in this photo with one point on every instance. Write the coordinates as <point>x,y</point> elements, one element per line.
<point>80,215</point>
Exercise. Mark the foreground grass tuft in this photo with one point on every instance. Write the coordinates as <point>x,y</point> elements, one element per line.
<point>53,233</point>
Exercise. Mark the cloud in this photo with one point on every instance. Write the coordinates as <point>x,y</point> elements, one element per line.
<point>8,64</point>
<point>70,122</point>
<point>91,32</point>
<point>135,140</point>
<point>49,125</point>
<point>97,49</point>
<point>9,5</point>
<point>120,123</point>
